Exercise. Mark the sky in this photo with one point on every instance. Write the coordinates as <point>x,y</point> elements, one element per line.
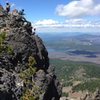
<point>60,15</point>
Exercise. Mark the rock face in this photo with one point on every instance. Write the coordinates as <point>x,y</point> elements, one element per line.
<point>97,95</point>
<point>25,73</point>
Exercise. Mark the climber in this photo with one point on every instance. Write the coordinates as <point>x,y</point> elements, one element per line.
<point>21,12</point>
<point>15,12</point>
<point>28,27</point>
<point>7,7</point>
<point>34,31</point>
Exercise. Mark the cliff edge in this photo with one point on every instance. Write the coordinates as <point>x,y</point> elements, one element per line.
<point>25,72</point>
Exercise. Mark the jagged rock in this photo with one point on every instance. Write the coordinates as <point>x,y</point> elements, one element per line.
<point>23,45</point>
<point>11,86</point>
<point>2,11</point>
<point>63,98</point>
<point>97,95</point>
<point>49,84</point>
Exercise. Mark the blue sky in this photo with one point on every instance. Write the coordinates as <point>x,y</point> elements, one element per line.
<point>60,15</point>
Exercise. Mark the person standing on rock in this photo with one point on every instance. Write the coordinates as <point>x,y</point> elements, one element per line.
<point>34,31</point>
<point>21,12</point>
<point>7,7</point>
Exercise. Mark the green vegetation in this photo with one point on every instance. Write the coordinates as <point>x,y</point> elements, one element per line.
<point>69,72</point>
<point>31,61</point>
<point>89,85</point>
<point>3,46</point>
<point>33,92</point>
<point>30,70</point>
<point>65,94</point>
<point>10,49</point>
<point>27,95</point>
<point>2,38</point>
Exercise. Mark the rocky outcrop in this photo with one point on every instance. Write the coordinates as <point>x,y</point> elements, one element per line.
<point>24,64</point>
<point>97,95</point>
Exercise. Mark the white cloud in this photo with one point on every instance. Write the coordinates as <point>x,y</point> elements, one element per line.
<point>79,8</point>
<point>50,25</point>
<point>82,23</point>
<point>46,22</point>
<point>76,23</point>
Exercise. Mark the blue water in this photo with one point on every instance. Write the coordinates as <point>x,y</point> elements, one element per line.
<point>54,43</point>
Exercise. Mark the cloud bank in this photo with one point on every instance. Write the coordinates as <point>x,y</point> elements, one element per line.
<point>50,25</point>
<point>46,22</point>
<point>79,8</point>
<point>68,23</point>
<point>80,14</point>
